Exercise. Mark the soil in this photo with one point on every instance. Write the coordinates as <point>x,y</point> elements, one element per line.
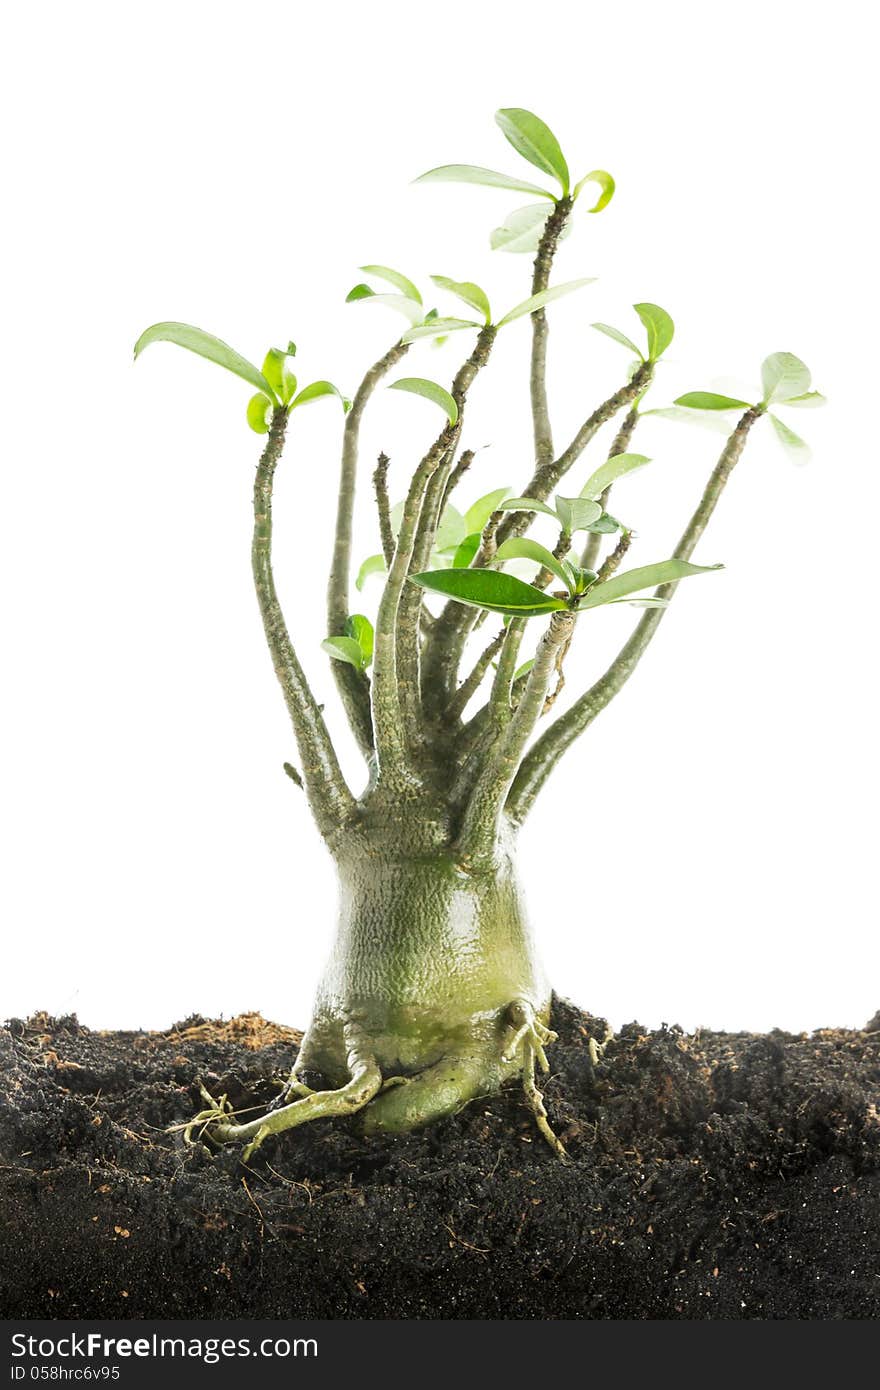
<point>712,1175</point>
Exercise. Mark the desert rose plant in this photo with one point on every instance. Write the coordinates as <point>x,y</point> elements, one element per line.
<point>434,993</point>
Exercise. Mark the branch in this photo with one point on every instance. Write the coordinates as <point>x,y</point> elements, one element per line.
<point>622,441</point>
<point>612,560</point>
<point>411,602</point>
<point>473,740</point>
<point>471,684</point>
<point>331,801</point>
<point>555,741</point>
<point>455,622</point>
<point>480,823</point>
<point>471,759</point>
<point>458,472</point>
<point>499,699</point>
<point>554,694</point>
<point>547,476</point>
<point>353,685</point>
<point>383,506</point>
<point>388,688</point>
<point>553,229</point>
<point>442,483</point>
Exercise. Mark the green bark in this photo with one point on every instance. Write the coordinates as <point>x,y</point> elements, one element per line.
<point>543,433</point>
<point>427,960</point>
<point>449,635</point>
<point>411,607</point>
<point>353,686</point>
<point>329,797</point>
<point>433,993</point>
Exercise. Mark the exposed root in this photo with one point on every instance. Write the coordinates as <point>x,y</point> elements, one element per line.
<point>365,1083</point>
<point>532,1036</point>
<point>292,1086</point>
<point>392,1103</point>
<point>204,1118</point>
<point>407,1103</point>
<point>529,1027</point>
<point>391,1081</point>
<point>536,1103</point>
<point>597,1050</point>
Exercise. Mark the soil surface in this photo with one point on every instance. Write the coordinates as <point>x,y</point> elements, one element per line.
<point>711,1176</point>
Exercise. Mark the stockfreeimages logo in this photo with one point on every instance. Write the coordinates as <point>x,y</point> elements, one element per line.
<point>95,1346</point>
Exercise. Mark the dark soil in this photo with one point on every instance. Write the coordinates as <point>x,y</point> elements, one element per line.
<point>712,1176</point>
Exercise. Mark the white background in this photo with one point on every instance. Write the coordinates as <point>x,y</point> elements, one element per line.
<point>708,853</point>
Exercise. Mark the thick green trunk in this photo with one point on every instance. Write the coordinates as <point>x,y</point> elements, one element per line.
<point>427,962</point>
<point>433,993</point>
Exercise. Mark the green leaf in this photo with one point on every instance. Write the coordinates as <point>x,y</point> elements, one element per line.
<point>374,564</point>
<point>259,413</point>
<point>472,173</point>
<point>491,590</point>
<point>783,375</point>
<point>578,579</point>
<point>606,525</point>
<point>361,629</point>
<point>476,516</point>
<point>704,418</point>
<point>316,391</point>
<point>278,374</point>
<point>395,278</point>
<point>396,517</point>
<point>610,471</point>
<point>808,399</point>
<point>522,229</point>
<point>710,400</point>
<point>645,577</point>
<point>521,548</point>
<point>797,449</point>
<point>401,302</point>
<point>606,186</point>
<point>466,551</point>
<point>585,578</point>
<point>206,345</point>
<point>537,301</point>
<point>419,386</point>
<point>660,328</point>
<point>344,649</point>
<point>467,291</point>
<point>650,602</point>
<point>619,337</point>
<point>577,513</point>
<point>527,504</point>
<point>535,141</point>
<point>451,530</point>
<point>524,669</point>
<point>436,327</point>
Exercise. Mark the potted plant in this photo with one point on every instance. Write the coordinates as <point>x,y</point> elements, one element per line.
<point>434,992</point>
